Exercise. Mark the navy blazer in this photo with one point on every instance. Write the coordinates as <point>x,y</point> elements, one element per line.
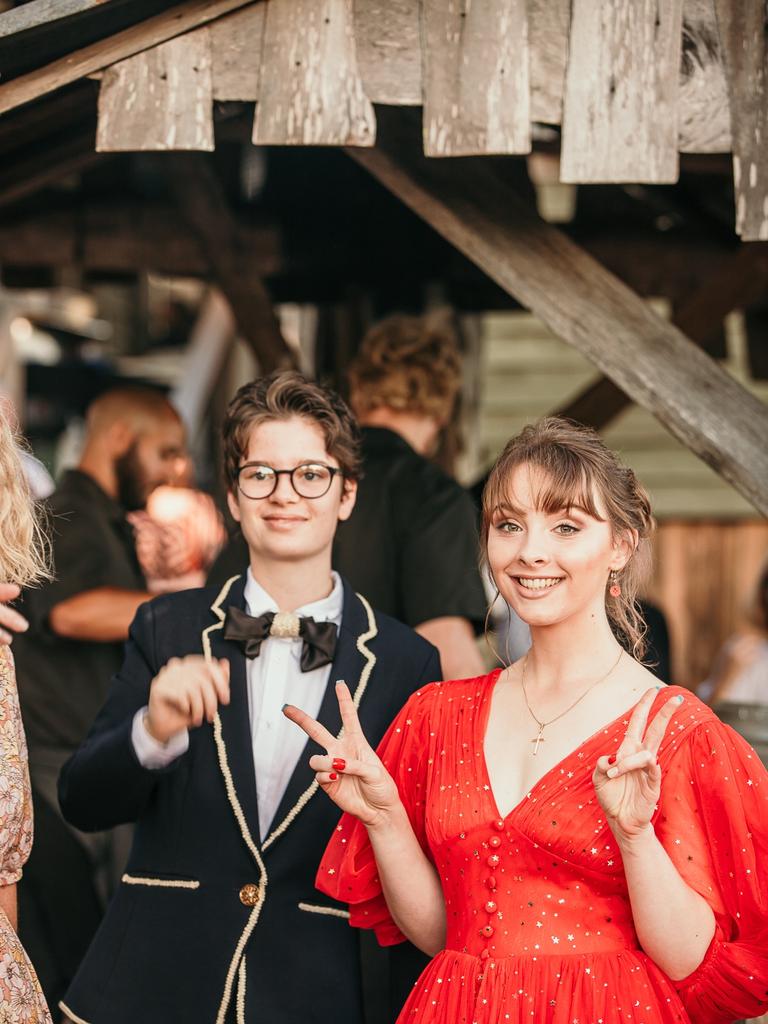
<point>210,925</point>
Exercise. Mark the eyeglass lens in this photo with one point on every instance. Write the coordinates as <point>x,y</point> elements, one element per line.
<point>310,480</point>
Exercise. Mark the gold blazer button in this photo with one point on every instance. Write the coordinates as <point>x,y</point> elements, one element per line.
<point>250,895</point>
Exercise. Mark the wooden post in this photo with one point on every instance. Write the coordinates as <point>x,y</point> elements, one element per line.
<point>202,203</point>
<point>310,90</point>
<point>476,79</point>
<point>581,302</point>
<point>159,99</point>
<point>743,35</point>
<point>738,282</point>
<point>620,108</point>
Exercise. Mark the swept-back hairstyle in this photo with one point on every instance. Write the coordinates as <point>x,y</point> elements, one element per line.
<point>580,469</point>
<point>408,363</point>
<point>279,396</point>
<point>24,550</point>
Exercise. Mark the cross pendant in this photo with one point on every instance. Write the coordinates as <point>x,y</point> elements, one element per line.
<point>538,741</point>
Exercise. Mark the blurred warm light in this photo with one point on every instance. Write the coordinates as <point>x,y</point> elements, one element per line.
<point>21,329</point>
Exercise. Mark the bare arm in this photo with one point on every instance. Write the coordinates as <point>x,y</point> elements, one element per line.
<point>363,787</point>
<point>102,615</point>
<point>8,904</point>
<point>455,640</point>
<point>628,792</point>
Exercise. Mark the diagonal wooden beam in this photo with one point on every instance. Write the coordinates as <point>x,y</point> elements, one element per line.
<point>102,54</point>
<point>31,172</point>
<point>200,198</point>
<point>741,280</point>
<point>581,302</point>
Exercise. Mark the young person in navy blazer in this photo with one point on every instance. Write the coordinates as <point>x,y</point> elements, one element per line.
<point>217,920</point>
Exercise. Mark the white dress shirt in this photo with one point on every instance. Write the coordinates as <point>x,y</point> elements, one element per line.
<point>274,678</point>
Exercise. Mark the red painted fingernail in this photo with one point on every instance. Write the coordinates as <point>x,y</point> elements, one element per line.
<point>338,764</point>
<point>612,759</point>
<point>333,776</point>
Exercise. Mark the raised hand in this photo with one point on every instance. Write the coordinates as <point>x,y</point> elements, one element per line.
<point>628,785</point>
<point>185,692</point>
<point>350,771</point>
<point>10,620</point>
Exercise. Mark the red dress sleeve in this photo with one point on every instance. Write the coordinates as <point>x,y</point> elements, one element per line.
<point>713,822</point>
<point>348,870</point>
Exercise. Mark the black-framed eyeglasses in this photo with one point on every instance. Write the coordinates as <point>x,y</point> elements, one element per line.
<point>309,479</point>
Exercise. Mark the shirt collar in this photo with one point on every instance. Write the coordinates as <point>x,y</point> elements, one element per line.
<point>327,609</point>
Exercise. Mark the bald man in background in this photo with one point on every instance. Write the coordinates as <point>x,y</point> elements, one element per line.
<point>77,626</point>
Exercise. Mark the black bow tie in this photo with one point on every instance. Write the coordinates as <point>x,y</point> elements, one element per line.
<point>319,637</point>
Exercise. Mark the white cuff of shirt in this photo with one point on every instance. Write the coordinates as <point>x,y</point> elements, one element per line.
<point>150,752</point>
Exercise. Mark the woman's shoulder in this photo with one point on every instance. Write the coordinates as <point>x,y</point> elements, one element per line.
<point>450,694</point>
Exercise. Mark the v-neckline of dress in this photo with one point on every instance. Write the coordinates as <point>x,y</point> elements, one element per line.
<point>482,728</point>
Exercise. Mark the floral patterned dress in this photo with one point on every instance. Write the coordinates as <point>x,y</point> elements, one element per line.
<point>539,923</point>
<point>21,998</point>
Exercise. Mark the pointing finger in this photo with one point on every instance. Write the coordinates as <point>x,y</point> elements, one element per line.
<point>348,710</point>
<point>313,729</point>
<point>639,718</point>
<point>658,726</point>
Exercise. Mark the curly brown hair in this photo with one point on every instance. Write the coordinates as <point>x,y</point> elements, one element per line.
<point>408,363</point>
<point>279,396</point>
<point>580,468</point>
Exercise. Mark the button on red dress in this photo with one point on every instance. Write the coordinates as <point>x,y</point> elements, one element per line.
<point>539,925</point>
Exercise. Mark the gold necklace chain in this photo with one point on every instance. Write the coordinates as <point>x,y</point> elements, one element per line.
<point>539,739</point>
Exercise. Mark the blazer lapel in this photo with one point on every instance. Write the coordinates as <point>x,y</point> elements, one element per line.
<point>234,744</point>
<point>353,662</point>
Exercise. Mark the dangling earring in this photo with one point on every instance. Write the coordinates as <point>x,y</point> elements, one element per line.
<point>615,589</point>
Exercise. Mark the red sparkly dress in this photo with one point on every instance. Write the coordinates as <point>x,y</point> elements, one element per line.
<point>539,926</point>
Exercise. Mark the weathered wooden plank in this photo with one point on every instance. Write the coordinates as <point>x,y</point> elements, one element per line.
<point>703,113</point>
<point>745,51</point>
<point>620,107</point>
<point>476,77</point>
<point>388,40</point>
<point>42,12</point>
<point>236,43</point>
<point>548,25</point>
<point>102,54</point>
<point>202,203</point>
<point>310,90</point>
<point>160,99</point>
<point>740,280</point>
<point>582,303</point>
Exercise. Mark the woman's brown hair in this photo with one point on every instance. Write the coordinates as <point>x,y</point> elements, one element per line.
<point>581,470</point>
<point>279,396</point>
<point>408,363</point>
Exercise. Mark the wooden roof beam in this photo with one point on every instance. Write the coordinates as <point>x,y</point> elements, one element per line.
<point>202,203</point>
<point>649,358</point>
<point>738,282</point>
<point>151,32</point>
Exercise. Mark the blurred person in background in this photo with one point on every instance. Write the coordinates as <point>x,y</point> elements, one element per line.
<point>740,673</point>
<point>22,563</point>
<point>412,542</point>
<point>78,624</point>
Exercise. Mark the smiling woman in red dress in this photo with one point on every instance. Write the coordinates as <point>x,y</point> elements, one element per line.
<point>572,843</point>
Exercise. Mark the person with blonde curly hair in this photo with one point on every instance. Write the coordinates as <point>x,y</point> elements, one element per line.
<point>412,541</point>
<point>23,562</point>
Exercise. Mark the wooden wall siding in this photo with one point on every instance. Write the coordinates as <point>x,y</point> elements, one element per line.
<point>388,38</point>
<point>310,91</point>
<point>160,99</point>
<point>703,112</point>
<point>620,106</point>
<point>236,43</point>
<point>548,25</point>
<point>704,577</point>
<point>476,78</point>
<point>743,34</point>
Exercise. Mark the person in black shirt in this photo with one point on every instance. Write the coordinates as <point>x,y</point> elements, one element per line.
<point>412,540</point>
<point>77,625</point>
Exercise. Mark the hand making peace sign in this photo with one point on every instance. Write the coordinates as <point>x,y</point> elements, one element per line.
<point>628,785</point>
<point>350,771</point>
